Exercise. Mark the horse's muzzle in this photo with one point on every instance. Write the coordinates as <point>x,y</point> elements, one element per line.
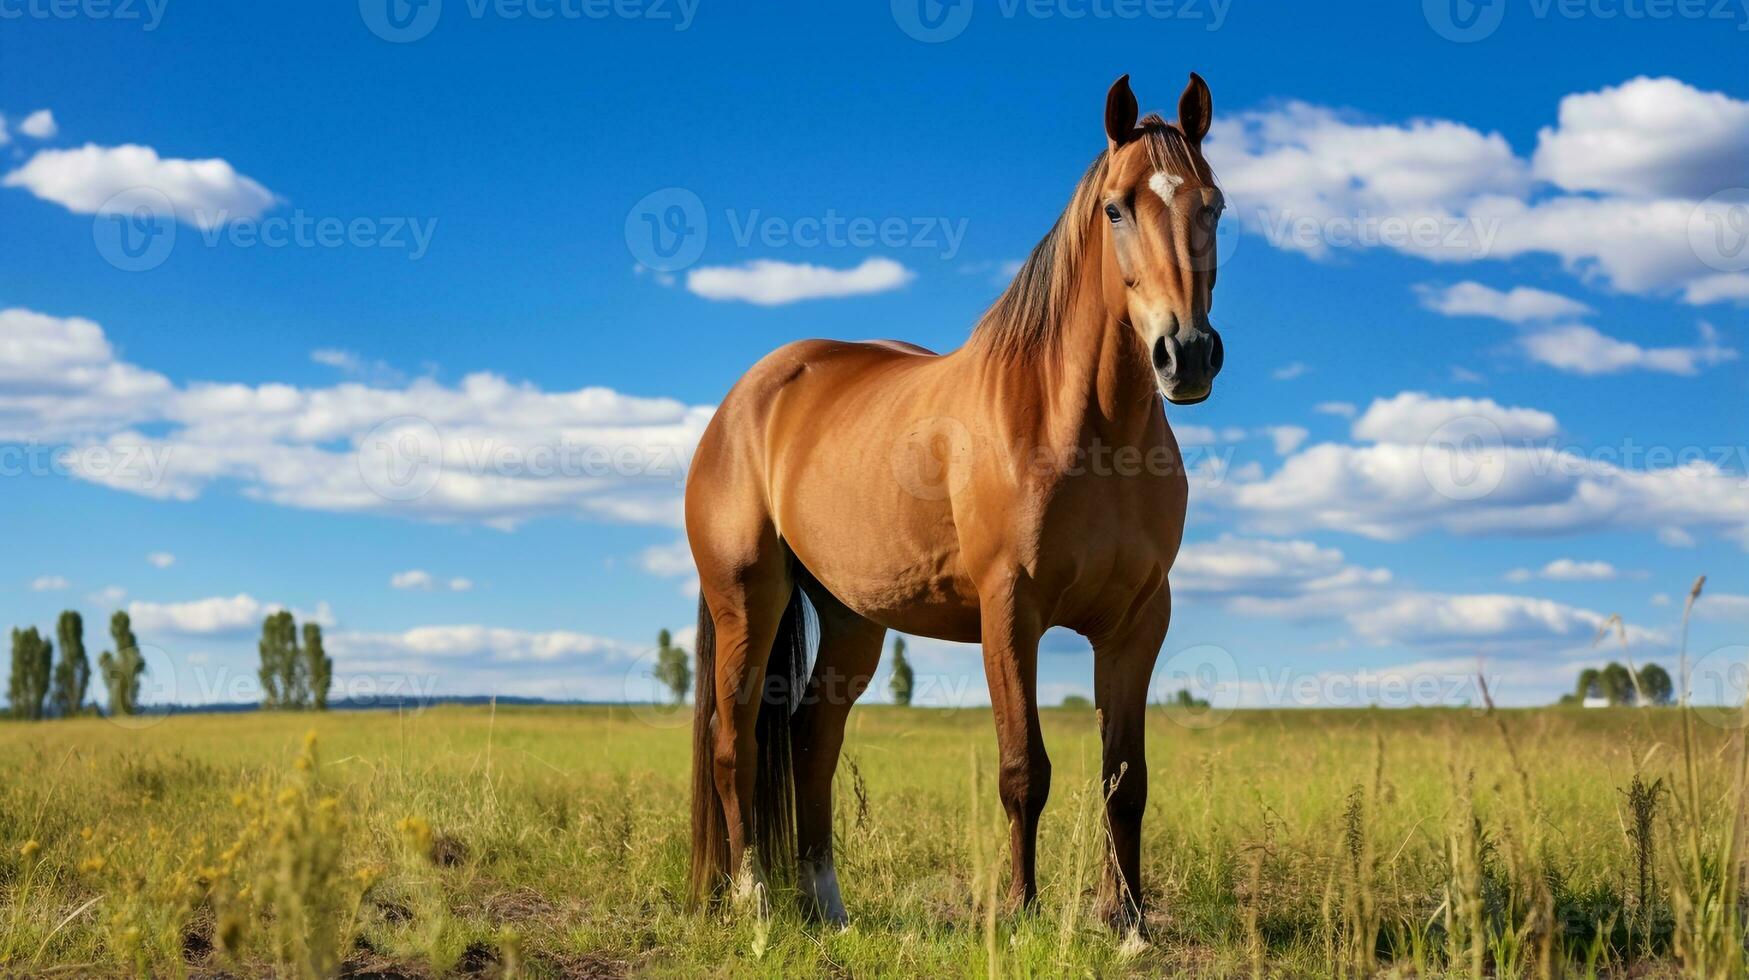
<point>1186,368</point>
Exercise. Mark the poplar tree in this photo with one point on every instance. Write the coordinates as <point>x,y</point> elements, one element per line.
<point>29,684</point>
<point>903,677</point>
<point>318,668</point>
<point>73,670</point>
<point>281,668</point>
<point>671,667</point>
<point>122,668</point>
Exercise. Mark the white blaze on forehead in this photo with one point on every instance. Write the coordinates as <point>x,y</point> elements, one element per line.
<point>1163,184</point>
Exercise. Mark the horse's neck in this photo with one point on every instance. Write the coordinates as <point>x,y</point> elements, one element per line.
<point>1101,384</point>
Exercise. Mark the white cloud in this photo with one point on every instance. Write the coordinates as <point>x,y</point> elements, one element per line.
<point>39,125</point>
<point>345,360</point>
<point>1286,438</point>
<point>1291,579</point>
<point>1723,606</point>
<point>1567,570</point>
<point>418,580</point>
<point>1290,371</point>
<point>1485,623</point>
<point>1578,349</point>
<point>1675,537</point>
<point>485,450</point>
<point>672,560</point>
<point>118,179</point>
<point>1313,179</point>
<point>60,377</point>
<point>49,583</point>
<point>1412,417</point>
<point>109,595</point>
<point>446,644</point>
<point>1712,289</point>
<point>1519,305</point>
<point>1345,410</point>
<point>667,560</point>
<point>161,559</point>
<point>240,613</point>
<point>767,282</point>
<point>1515,482</point>
<point>354,365</point>
<point>1647,137</point>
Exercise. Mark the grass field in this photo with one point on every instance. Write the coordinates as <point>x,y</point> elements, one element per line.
<point>552,842</point>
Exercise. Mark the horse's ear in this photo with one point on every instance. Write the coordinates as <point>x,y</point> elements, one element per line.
<point>1120,114</point>
<point>1194,109</point>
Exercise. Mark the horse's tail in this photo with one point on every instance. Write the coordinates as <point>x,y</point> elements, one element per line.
<point>772,834</point>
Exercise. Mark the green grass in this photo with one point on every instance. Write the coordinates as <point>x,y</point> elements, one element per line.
<point>553,842</point>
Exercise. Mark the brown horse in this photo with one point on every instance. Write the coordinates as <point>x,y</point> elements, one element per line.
<point>1024,481</point>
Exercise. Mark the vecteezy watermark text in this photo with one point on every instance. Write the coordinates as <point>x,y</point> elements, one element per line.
<point>667,230</point>
<point>403,21</point>
<point>1466,21</point>
<point>935,21</point>
<point>300,230</point>
<point>147,13</point>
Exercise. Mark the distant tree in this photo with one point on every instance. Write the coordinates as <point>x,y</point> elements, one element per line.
<point>1184,699</point>
<point>1656,685</point>
<point>318,667</point>
<point>122,668</point>
<point>29,684</point>
<point>904,678</point>
<point>672,668</point>
<point>1589,683</point>
<point>73,670</point>
<point>283,684</point>
<point>1617,683</point>
<point>1076,702</point>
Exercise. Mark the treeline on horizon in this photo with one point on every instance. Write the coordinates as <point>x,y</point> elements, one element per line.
<point>293,675</point>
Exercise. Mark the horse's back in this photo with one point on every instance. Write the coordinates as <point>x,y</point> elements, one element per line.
<point>815,446</point>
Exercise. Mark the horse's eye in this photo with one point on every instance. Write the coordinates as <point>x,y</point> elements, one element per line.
<point>1112,212</point>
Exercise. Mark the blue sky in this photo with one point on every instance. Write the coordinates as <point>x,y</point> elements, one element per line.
<point>367,236</point>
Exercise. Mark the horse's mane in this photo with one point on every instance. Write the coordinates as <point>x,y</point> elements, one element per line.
<point>1026,319</point>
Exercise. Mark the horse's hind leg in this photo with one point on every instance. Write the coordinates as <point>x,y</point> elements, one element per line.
<point>746,597</point>
<point>850,649</point>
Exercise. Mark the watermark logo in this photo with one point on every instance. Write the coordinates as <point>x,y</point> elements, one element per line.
<point>400,21</point>
<point>648,696</point>
<point>931,459</point>
<point>666,231</point>
<point>932,21</point>
<point>1718,230</point>
<point>1199,686</point>
<point>1718,687</point>
<point>1465,458</point>
<point>401,459</point>
<point>1464,21</point>
<point>159,685</point>
<point>135,229</point>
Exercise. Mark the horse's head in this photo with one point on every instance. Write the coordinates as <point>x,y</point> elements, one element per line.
<point>1160,206</point>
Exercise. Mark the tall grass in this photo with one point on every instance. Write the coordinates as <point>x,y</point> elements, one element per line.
<point>1282,843</point>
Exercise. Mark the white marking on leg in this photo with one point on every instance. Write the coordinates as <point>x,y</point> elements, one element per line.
<point>819,884</point>
<point>751,887</point>
<point>1163,184</point>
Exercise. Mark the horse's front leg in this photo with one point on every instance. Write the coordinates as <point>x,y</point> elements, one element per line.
<point>1123,665</point>
<point>1010,638</point>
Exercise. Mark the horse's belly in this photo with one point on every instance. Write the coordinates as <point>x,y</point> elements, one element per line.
<point>902,570</point>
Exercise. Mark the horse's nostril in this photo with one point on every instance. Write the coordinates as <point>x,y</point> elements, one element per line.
<point>1218,355</point>
<point>1162,355</point>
